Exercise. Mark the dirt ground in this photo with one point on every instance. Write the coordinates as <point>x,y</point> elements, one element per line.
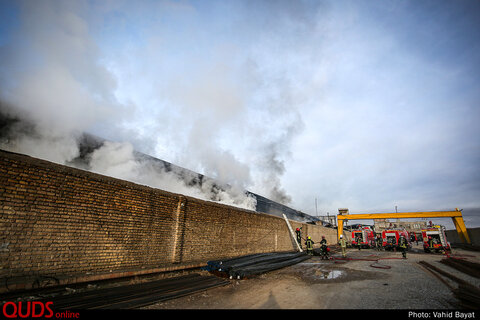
<point>388,283</point>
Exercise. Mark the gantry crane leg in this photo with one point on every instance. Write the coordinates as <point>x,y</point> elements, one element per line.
<point>461,229</point>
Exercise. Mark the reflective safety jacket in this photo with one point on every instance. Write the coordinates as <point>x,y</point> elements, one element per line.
<point>403,243</point>
<point>299,235</point>
<point>309,244</point>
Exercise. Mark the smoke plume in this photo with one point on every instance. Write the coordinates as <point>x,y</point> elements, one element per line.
<point>205,111</point>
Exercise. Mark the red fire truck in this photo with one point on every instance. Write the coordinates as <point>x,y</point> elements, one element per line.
<point>366,236</point>
<point>391,237</point>
<point>434,239</point>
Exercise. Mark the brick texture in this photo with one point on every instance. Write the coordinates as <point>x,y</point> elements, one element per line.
<point>64,222</point>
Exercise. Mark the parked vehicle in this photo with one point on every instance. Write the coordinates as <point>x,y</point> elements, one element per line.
<point>365,235</point>
<point>391,237</point>
<point>434,239</point>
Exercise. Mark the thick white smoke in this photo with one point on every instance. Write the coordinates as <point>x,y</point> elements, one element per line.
<point>118,160</point>
<point>205,111</point>
<point>54,81</point>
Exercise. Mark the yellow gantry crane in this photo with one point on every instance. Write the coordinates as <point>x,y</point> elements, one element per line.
<point>455,215</point>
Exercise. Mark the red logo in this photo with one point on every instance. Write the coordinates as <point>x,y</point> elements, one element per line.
<point>27,309</point>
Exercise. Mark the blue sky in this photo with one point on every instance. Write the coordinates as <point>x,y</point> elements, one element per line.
<point>361,104</point>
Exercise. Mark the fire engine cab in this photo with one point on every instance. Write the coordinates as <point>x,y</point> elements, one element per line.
<point>365,235</point>
<point>434,239</point>
<point>391,238</point>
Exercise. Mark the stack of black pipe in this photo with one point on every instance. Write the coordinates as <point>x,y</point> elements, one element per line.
<point>254,264</point>
<point>468,267</point>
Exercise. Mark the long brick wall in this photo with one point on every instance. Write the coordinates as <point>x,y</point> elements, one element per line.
<point>61,222</point>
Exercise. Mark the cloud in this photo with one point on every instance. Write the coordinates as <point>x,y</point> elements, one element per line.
<point>386,129</point>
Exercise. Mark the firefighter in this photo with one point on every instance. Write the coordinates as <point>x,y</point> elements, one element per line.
<point>323,248</point>
<point>309,243</point>
<point>430,244</point>
<point>403,246</point>
<point>299,237</point>
<point>378,242</point>
<point>343,245</point>
<point>392,243</point>
<point>358,239</point>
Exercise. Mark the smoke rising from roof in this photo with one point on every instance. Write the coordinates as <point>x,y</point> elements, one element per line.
<point>62,84</point>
